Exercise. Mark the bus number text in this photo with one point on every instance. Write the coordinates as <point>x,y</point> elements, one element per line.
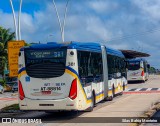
<point>71,63</point>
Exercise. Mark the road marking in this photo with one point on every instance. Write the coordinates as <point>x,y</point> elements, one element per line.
<point>142,90</point>
<point>154,89</point>
<point>138,89</point>
<point>148,89</point>
<point>132,89</point>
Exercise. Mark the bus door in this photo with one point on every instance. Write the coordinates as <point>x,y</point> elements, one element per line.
<point>87,85</point>
<point>99,87</point>
<point>118,81</point>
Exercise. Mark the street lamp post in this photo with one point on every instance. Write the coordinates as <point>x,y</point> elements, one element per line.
<point>14,19</point>
<point>19,20</point>
<point>65,16</point>
<point>59,21</point>
<point>17,30</point>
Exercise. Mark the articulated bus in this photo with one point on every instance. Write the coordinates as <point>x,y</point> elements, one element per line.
<point>69,76</point>
<point>138,70</point>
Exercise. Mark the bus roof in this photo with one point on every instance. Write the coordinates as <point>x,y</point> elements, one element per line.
<point>137,59</point>
<point>115,52</point>
<point>85,46</point>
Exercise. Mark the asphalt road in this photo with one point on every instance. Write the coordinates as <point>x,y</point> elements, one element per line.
<point>153,82</point>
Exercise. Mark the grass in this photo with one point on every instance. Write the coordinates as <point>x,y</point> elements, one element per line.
<point>11,107</point>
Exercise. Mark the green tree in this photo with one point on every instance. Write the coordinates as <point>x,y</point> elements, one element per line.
<point>152,70</point>
<point>5,36</point>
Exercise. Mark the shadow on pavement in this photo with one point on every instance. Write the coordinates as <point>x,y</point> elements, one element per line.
<point>136,82</point>
<point>51,117</point>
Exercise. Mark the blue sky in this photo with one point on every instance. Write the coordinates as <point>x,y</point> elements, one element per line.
<point>121,24</point>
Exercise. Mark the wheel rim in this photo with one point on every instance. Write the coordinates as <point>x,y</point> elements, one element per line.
<point>123,87</point>
<point>92,104</point>
<point>112,91</point>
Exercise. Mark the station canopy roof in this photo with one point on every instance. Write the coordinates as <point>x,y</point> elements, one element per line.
<point>133,54</point>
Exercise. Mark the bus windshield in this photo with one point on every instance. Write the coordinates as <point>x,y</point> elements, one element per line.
<point>133,65</point>
<point>46,63</point>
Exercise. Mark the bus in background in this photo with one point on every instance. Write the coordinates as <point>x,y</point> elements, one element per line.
<point>69,76</point>
<point>138,70</point>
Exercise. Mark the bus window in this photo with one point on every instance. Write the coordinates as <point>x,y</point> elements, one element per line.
<point>90,65</point>
<point>133,65</point>
<point>45,63</point>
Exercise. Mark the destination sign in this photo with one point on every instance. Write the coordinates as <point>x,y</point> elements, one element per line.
<point>44,54</point>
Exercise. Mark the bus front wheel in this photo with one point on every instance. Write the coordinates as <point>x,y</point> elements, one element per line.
<point>92,103</point>
<point>124,87</point>
<point>110,98</point>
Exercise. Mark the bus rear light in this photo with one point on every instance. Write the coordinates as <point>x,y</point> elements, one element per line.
<point>142,74</point>
<point>73,90</point>
<point>69,104</point>
<point>21,92</point>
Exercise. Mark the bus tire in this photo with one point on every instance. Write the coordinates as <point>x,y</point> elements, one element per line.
<point>113,91</point>
<point>110,98</point>
<point>90,109</point>
<point>124,87</point>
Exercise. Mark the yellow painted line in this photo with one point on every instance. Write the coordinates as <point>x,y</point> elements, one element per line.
<point>116,90</point>
<point>99,96</point>
<point>21,74</point>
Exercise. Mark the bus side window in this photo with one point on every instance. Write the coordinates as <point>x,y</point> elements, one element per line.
<point>90,65</point>
<point>83,60</point>
<point>111,66</point>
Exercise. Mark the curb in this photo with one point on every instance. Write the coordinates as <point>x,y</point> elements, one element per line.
<point>148,114</point>
<point>11,111</point>
<point>16,94</point>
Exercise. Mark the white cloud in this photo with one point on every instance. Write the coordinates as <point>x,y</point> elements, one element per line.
<point>149,8</point>
<point>26,22</point>
<point>102,6</point>
<point>97,27</point>
<point>6,20</point>
<point>97,20</point>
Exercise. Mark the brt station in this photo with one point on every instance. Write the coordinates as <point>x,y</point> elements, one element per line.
<point>130,54</point>
<point>53,77</point>
<point>138,67</point>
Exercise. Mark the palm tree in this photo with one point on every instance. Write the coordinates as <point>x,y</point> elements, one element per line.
<point>5,36</point>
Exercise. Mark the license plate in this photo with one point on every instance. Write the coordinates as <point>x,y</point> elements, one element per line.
<point>46,92</point>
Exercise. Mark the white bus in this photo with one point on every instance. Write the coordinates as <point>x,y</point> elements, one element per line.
<point>69,76</point>
<point>138,70</point>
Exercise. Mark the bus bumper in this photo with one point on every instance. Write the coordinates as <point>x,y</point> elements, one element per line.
<point>61,104</point>
<point>139,78</point>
